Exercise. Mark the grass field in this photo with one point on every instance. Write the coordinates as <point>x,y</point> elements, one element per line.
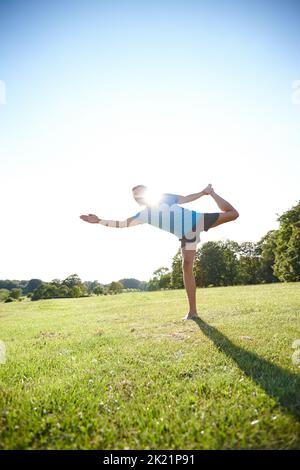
<point>125,372</point>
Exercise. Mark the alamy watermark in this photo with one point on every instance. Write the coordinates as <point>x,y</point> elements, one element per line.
<point>2,92</point>
<point>296,92</point>
<point>2,352</point>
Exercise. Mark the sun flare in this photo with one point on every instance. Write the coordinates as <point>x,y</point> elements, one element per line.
<point>152,196</point>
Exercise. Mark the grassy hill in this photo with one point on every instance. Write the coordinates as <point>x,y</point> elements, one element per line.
<point>125,372</point>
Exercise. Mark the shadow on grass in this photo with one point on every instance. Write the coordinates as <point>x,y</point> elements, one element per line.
<point>282,385</point>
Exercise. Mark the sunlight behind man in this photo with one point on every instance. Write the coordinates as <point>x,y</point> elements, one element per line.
<point>152,196</point>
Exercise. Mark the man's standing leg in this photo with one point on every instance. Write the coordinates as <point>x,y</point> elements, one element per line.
<point>188,257</point>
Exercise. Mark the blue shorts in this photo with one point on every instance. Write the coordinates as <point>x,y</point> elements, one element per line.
<point>191,243</point>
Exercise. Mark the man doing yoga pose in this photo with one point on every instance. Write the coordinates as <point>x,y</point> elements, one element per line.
<point>167,214</point>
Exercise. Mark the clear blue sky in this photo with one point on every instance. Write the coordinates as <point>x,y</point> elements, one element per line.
<point>104,95</point>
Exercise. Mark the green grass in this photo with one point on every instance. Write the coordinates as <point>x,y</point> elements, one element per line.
<point>125,372</point>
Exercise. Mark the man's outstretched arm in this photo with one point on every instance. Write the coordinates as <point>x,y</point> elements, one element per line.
<point>193,197</point>
<point>94,219</point>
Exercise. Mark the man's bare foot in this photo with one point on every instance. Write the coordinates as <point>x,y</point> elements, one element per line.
<point>191,316</point>
<point>208,189</point>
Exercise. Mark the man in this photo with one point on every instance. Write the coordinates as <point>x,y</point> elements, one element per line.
<point>167,214</point>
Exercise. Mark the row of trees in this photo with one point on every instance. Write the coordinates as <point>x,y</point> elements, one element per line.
<point>70,287</point>
<point>274,258</point>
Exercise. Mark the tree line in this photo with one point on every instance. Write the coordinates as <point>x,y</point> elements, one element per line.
<point>274,258</point>
<point>71,287</point>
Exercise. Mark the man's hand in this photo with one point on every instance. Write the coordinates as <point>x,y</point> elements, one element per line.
<point>91,218</point>
<point>207,190</point>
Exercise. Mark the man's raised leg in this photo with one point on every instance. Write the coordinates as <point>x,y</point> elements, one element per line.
<point>229,212</point>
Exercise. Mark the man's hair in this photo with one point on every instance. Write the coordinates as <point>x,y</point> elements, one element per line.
<point>139,186</point>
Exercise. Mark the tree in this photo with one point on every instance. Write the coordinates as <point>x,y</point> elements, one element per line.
<point>199,271</point>
<point>32,285</point>
<point>15,293</point>
<point>91,285</point>
<point>266,249</point>
<point>41,292</point>
<point>163,276</point>
<point>287,251</point>
<point>249,267</point>
<point>210,265</point>
<point>132,283</point>
<point>7,284</point>
<point>165,281</point>
<point>176,274</point>
<point>230,251</point>
<point>115,287</point>
<point>75,291</point>
<point>51,290</point>
<point>98,290</point>
<point>64,291</point>
<point>74,281</point>
<point>4,294</point>
<point>143,285</point>
<point>216,263</point>
<point>153,284</point>
<point>161,279</point>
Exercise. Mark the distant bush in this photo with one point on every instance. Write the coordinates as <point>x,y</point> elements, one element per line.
<point>98,290</point>
<point>4,294</point>
<point>71,287</point>
<point>115,287</point>
<point>15,293</point>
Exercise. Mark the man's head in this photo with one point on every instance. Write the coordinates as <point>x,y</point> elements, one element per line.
<point>139,193</point>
